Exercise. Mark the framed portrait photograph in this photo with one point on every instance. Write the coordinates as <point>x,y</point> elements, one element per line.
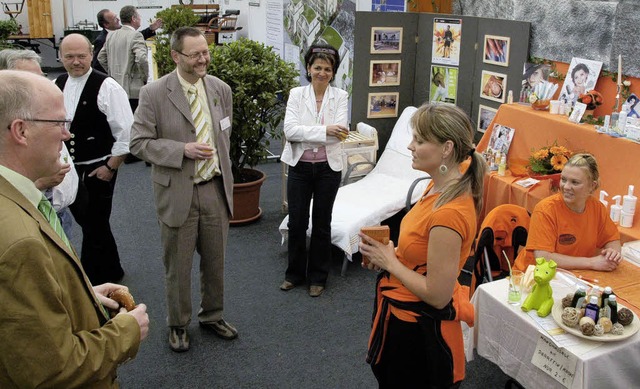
<point>496,50</point>
<point>493,86</point>
<point>485,116</point>
<point>581,77</point>
<point>384,73</point>
<point>383,105</point>
<point>386,40</point>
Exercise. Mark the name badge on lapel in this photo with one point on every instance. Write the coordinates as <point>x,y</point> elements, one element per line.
<point>225,123</point>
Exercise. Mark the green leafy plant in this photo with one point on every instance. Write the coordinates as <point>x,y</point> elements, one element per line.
<point>7,27</point>
<point>176,17</point>
<point>172,18</point>
<point>260,81</point>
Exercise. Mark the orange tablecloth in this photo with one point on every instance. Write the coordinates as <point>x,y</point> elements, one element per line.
<point>625,282</point>
<point>618,159</point>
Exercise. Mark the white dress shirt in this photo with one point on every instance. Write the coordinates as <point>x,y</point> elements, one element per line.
<point>112,101</point>
<point>64,194</point>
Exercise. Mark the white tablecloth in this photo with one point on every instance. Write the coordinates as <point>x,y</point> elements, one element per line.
<point>507,336</point>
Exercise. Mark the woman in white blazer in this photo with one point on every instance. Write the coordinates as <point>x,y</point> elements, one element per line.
<point>314,126</point>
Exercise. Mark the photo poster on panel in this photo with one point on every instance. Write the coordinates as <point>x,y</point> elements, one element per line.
<point>444,84</point>
<point>447,35</point>
<point>581,77</point>
<point>388,5</point>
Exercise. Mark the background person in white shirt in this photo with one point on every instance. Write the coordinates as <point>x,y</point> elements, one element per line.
<point>99,142</point>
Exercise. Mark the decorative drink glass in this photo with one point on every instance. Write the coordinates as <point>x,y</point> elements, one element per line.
<point>515,287</point>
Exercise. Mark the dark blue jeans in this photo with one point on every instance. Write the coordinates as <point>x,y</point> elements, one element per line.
<point>310,180</point>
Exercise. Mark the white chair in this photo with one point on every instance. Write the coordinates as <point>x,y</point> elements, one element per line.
<point>382,193</point>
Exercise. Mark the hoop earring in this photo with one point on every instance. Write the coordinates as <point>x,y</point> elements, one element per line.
<point>443,169</point>
<point>308,75</point>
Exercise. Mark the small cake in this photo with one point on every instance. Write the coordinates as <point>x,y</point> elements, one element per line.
<point>625,316</point>
<point>570,316</point>
<point>587,326</point>
<point>567,300</point>
<point>617,329</point>
<point>598,330</point>
<point>606,324</point>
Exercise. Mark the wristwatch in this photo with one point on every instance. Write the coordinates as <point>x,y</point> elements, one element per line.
<point>112,170</point>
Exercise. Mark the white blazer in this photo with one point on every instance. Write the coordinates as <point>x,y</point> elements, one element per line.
<point>305,129</point>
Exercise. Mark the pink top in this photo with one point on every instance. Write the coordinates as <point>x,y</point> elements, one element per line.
<point>320,155</point>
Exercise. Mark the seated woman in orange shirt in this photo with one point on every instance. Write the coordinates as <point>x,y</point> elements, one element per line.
<point>572,227</point>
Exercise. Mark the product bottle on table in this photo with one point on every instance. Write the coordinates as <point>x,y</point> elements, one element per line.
<point>579,296</point>
<point>605,296</point>
<point>592,310</point>
<point>613,306</point>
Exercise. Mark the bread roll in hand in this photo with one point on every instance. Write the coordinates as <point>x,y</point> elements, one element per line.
<point>123,298</point>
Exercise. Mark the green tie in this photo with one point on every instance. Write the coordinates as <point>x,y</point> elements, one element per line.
<point>205,168</point>
<point>49,213</point>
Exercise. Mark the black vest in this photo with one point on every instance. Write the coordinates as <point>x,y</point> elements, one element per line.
<point>91,136</point>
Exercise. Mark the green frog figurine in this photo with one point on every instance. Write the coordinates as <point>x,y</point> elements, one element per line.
<point>541,296</point>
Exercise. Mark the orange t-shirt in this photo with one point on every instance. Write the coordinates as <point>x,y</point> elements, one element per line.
<point>413,246</point>
<point>557,229</point>
<point>413,241</point>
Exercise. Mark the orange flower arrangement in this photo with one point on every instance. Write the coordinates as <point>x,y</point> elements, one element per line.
<point>549,159</point>
<point>592,99</point>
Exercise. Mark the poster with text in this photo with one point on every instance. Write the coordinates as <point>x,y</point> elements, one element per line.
<point>446,41</point>
<point>388,5</point>
<point>275,26</point>
<point>444,84</point>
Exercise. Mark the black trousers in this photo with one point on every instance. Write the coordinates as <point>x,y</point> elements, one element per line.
<point>310,180</point>
<point>92,211</point>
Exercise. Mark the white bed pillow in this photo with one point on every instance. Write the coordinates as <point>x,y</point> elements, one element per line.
<point>401,134</point>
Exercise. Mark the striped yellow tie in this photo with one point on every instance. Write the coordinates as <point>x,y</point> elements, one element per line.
<point>205,168</point>
<point>49,213</point>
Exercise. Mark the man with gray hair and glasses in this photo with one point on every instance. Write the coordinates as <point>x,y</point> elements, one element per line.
<point>54,329</point>
<point>61,188</point>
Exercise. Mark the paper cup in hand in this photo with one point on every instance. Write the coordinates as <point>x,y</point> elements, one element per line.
<point>379,233</point>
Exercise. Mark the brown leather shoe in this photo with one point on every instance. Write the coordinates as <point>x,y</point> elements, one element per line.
<point>221,328</point>
<point>287,286</point>
<point>316,290</point>
<point>178,339</point>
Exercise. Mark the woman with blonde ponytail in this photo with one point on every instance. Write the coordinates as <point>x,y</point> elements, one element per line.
<point>419,302</point>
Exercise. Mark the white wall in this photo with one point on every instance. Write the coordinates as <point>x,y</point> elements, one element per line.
<point>67,13</point>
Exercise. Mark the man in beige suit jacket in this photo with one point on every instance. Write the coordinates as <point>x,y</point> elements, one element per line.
<point>54,331</point>
<point>193,211</point>
<point>124,55</point>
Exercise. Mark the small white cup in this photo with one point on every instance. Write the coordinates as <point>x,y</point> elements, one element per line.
<point>554,109</point>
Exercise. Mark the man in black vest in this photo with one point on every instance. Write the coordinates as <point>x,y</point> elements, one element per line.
<point>99,142</point>
<point>109,21</point>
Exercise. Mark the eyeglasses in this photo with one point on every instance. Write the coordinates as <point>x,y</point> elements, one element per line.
<point>65,124</point>
<point>195,56</point>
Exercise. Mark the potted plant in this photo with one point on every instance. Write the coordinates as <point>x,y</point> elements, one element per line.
<point>260,81</point>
